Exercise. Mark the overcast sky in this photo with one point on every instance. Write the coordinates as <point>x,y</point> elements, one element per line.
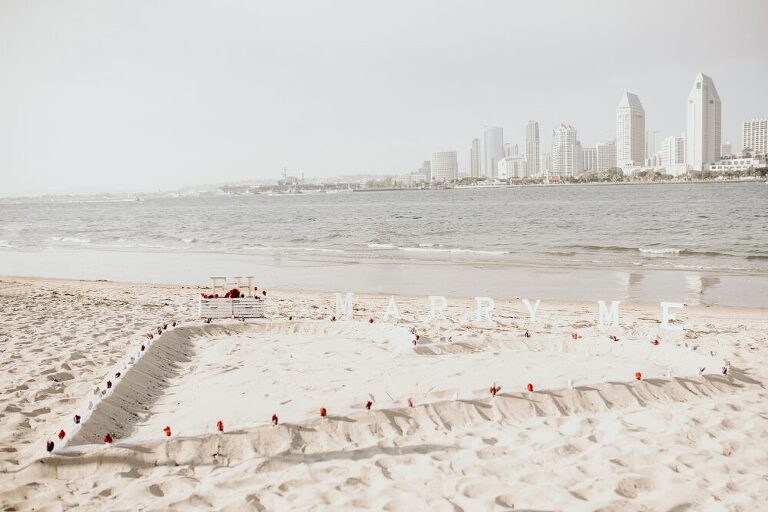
<point>140,96</point>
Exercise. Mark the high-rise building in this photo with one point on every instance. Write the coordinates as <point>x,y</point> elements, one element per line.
<point>703,124</point>
<point>726,149</point>
<point>589,159</point>
<point>511,167</point>
<point>444,166</point>
<point>650,145</point>
<point>426,170</point>
<point>566,152</point>
<point>493,150</point>
<point>546,164</point>
<point>532,165</point>
<point>673,151</point>
<point>754,136</point>
<point>630,131</point>
<point>606,155</point>
<point>474,158</point>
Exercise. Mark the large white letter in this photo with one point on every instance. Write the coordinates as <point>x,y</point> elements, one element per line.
<point>437,304</point>
<point>392,309</point>
<point>532,310</point>
<point>485,307</point>
<point>344,307</point>
<point>608,317</point>
<point>666,316</point>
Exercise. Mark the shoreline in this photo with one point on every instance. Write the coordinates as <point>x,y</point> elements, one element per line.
<point>368,301</point>
<point>413,277</point>
<point>164,195</point>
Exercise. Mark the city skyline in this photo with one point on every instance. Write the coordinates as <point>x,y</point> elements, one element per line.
<point>99,99</point>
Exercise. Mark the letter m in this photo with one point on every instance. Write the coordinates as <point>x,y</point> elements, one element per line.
<point>606,316</point>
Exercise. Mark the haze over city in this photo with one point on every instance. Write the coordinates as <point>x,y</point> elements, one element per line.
<point>108,97</point>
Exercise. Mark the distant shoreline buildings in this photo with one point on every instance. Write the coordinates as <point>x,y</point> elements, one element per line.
<point>633,150</point>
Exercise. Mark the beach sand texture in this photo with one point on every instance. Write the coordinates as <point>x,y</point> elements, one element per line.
<point>609,443</point>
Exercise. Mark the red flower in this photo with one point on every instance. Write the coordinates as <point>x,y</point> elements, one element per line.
<point>368,405</point>
<point>107,438</point>
<point>62,434</point>
<point>638,376</point>
<point>529,387</point>
<point>220,426</point>
<point>370,320</point>
<point>49,446</point>
<point>234,293</point>
<point>323,412</point>
<point>167,431</point>
<point>274,419</point>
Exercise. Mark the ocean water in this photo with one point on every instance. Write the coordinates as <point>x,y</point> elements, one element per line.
<point>697,226</point>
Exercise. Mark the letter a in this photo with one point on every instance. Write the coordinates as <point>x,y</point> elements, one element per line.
<point>392,309</point>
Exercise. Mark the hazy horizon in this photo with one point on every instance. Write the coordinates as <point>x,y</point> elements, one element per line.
<point>135,96</point>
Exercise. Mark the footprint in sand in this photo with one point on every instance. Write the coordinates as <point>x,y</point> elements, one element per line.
<point>36,412</point>
<point>156,491</point>
<point>631,487</point>
<point>61,377</point>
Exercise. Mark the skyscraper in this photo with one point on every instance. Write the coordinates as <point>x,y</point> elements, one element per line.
<point>474,158</point>
<point>444,166</point>
<point>426,170</point>
<point>650,145</point>
<point>630,131</point>
<point>546,164</point>
<point>703,126</point>
<point>493,150</point>
<point>754,136</point>
<point>566,152</point>
<point>606,155</point>
<point>589,159</point>
<point>532,167</point>
<point>511,167</point>
<point>673,151</point>
<point>725,149</point>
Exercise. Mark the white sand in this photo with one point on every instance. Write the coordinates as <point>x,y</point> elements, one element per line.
<point>616,445</point>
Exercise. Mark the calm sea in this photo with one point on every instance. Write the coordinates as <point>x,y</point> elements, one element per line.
<point>697,226</point>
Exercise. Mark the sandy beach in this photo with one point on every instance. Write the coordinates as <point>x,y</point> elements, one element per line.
<point>588,437</point>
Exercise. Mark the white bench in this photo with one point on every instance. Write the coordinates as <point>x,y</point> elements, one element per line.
<point>248,307</point>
